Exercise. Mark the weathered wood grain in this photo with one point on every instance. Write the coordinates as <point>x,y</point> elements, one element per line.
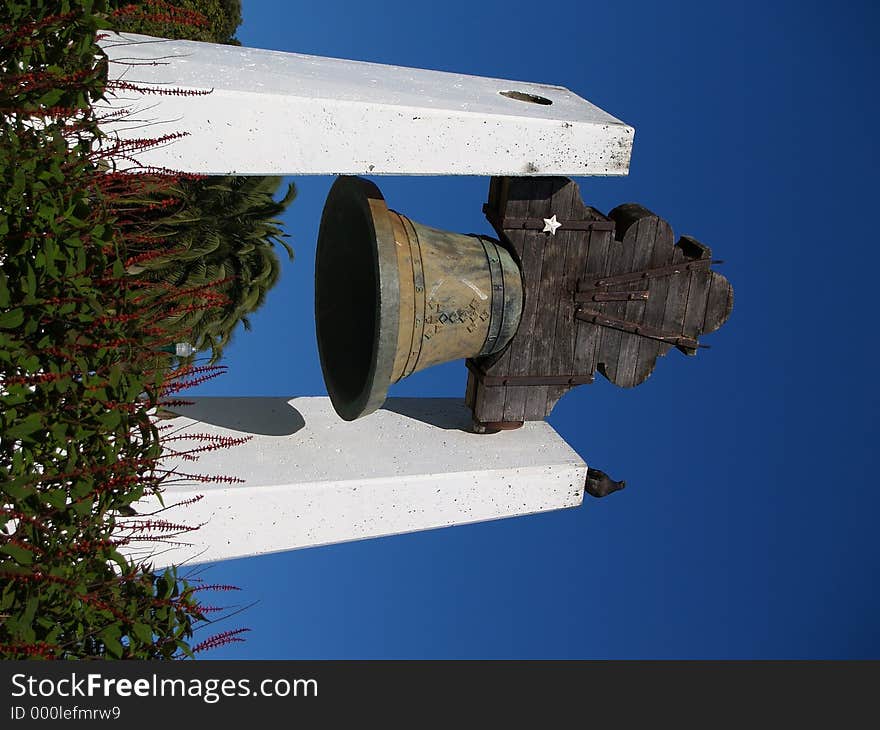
<point>526,199</point>
<point>611,297</point>
<point>643,238</point>
<point>551,297</point>
<point>695,310</point>
<point>589,336</point>
<point>620,261</point>
<point>719,304</point>
<point>658,289</point>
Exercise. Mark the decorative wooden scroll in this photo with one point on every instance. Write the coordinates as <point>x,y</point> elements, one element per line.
<point>608,294</point>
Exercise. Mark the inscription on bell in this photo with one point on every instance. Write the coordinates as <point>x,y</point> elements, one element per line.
<point>472,316</point>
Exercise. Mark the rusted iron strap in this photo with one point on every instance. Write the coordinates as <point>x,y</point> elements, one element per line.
<point>537,224</point>
<point>518,380</point>
<point>495,426</point>
<point>587,315</point>
<point>589,283</point>
<point>610,296</point>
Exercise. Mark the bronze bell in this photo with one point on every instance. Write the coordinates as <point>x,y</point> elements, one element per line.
<point>393,296</point>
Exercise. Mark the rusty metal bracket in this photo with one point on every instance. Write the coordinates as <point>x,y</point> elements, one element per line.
<point>591,295</point>
<point>592,317</point>
<point>586,284</point>
<point>537,224</point>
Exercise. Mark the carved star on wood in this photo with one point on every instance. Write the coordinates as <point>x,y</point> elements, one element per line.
<point>550,225</point>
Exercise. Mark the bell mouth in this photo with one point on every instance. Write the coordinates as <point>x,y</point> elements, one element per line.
<point>356,297</point>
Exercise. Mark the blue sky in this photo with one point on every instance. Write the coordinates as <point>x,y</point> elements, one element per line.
<point>748,528</point>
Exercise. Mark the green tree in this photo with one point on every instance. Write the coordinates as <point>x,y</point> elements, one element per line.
<point>221,231</point>
<point>222,227</point>
<point>152,17</point>
<point>80,378</point>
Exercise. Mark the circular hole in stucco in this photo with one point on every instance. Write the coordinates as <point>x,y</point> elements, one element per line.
<point>523,96</point>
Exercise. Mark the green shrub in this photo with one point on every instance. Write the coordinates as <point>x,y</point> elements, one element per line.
<point>81,367</point>
<point>223,229</point>
<point>174,19</point>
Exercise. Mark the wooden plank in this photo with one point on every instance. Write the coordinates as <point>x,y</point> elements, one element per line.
<point>576,250</point>
<point>512,400</point>
<point>588,336</point>
<point>554,393</point>
<point>576,247</point>
<point>644,240</point>
<point>698,291</point>
<point>676,299</point>
<point>636,229</point>
<point>619,261</point>
<point>550,295</point>
<point>498,187</point>
<point>720,303</point>
<point>658,288</point>
<point>488,403</point>
<point>527,198</point>
<point>470,391</point>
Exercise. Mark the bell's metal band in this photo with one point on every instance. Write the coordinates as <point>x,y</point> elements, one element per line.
<point>409,238</point>
<point>496,313</point>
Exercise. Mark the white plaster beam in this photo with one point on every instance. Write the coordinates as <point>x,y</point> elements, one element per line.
<point>286,113</point>
<point>314,479</point>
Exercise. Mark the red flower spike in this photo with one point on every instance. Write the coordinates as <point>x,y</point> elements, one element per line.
<point>221,639</point>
